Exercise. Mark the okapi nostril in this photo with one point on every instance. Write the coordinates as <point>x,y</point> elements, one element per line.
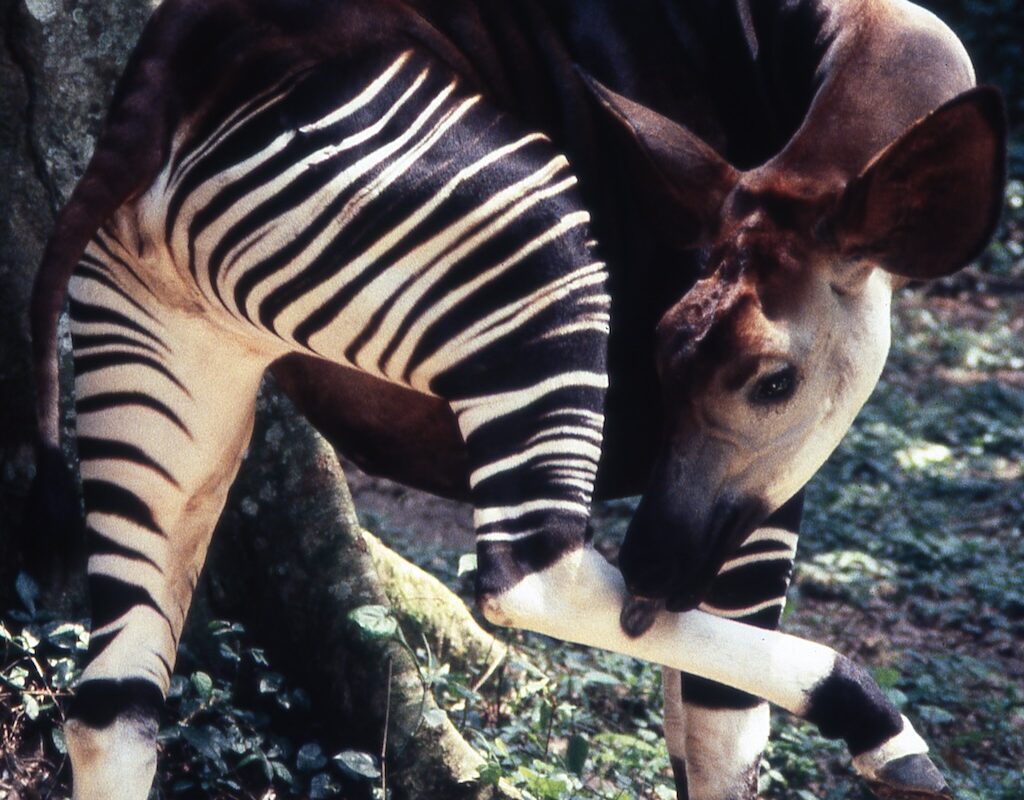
<point>638,615</point>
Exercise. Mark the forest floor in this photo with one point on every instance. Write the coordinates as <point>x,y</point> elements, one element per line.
<point>910,562</point>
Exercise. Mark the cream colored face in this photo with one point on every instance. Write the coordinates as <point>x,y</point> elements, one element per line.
<point>769,419</point>
<point>752,413</point>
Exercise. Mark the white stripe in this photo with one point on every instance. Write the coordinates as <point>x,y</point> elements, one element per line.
<point>502,322</point>
<point>394,237</point>
<point>356,139</point>
<point>585,486</point>
<point>477,411</point>
<point>507,537</point>
<point>355,316</point>
<point>571,472</point>
<point>116,625</point>
<point>516,204</point>
<point>787,538</point>
<point>754,558</point>
<point>361,99</point>
<point>488,516</point>
<point>278,232</point>
<point>905,743</point>
<point>226,128</point>
<point>593,417</point>
<point>204,193</point>
<point>599,324</point>
<point>565,431</point>
<point>741,612</point>
<point>558,447</point>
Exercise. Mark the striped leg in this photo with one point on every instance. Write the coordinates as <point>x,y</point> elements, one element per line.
<point>716,734</point>
<point>163,419</point>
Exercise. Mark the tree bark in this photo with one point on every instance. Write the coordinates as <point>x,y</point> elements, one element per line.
<point>58,63</point>
<point>425,605</point>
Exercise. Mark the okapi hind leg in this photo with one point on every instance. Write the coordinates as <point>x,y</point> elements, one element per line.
<point>165,406</point>
<point>715,751</point>
<point>716,734</point>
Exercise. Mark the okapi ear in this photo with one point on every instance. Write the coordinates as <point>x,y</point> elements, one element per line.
<point>928,203</point>
<point>685,179</point>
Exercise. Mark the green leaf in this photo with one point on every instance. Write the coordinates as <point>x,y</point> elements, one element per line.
<point>374,622</point>
<point>203,684</point>
<point>896,697</point>
<point>935,715</point>
<point>29,641</point>
<point>16,677</point>
<point>467,564</point>
<point>282,772</point>
<point>600,678</point>
<point>310,758</point>
<point>576,754</point>
<point>177,687</point>
<point>229,652</point>
<point>28,591</point>
<point>31,706</point>
<point>886,677</point>
<point>63,673</point>
<point>57,737</point>
<point>64,635</point>
<point>271,682</point>
<point>357,764</point>
<point>490,774</point>
<point>204,740</point>
<point>252,758</point>
<point>322,786</point>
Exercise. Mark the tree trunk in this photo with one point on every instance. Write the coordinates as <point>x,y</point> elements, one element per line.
<point>58,63</point>
<point>294,567</point>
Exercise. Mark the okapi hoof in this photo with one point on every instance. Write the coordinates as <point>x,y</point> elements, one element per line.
<point>912,777</point>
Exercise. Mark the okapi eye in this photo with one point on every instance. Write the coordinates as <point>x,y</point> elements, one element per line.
<point>774,388</point>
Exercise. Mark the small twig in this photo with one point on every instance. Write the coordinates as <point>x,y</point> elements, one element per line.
<point>551,725</point>
<point>492,668</point>
<point>384,743</point>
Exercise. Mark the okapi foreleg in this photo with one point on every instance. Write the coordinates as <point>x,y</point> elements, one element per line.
<point>579,598</point>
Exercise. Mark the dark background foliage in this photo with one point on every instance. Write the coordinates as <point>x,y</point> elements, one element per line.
<point>993,32</point>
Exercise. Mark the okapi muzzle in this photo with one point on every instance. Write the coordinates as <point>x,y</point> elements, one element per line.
<point>673,556</point>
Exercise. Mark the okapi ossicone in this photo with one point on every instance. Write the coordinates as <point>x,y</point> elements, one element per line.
<point>524,253</point>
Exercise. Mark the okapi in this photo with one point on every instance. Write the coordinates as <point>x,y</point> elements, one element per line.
<point>525,253</point>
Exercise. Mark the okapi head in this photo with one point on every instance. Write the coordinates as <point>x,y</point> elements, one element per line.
<point>765,362</point>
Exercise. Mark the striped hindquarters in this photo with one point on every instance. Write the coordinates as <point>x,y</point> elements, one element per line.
<point>406,228</point>
<point>403,227</point>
